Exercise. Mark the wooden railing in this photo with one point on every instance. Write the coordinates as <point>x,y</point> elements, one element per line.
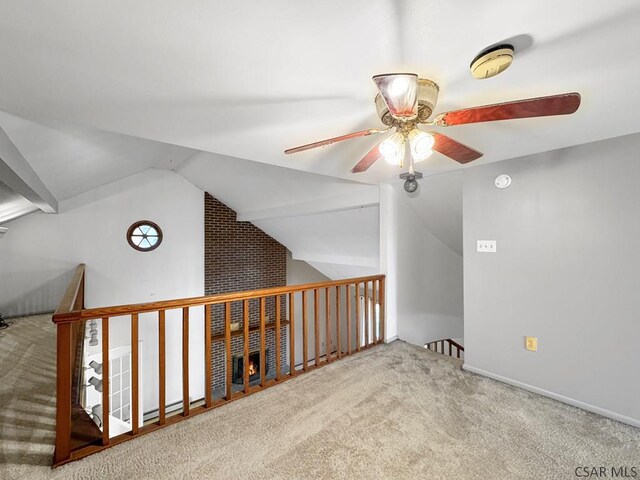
<point>353,309</point>
<point>443,344</point>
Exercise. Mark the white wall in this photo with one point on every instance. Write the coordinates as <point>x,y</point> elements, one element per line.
<point>39,252</point>
<point>424,276</point>
<point>565,271</point>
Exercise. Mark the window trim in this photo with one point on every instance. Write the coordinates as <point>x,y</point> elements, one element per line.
<point>140,223</point>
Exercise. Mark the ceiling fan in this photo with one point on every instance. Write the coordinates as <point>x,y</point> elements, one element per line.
<point>405,101</point>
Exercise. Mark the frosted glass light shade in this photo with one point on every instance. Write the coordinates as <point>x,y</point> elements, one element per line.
<point>421,144</point>
<point>392,149</point>
<point>400,93</point>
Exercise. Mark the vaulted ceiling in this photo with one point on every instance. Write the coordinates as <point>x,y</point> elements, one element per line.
<point>95,91</point>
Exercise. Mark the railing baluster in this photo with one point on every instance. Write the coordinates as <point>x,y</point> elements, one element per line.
<point>227,348</point>
<point>442,346</point>
<point>316,325</point>
<point>277,314</point>
<point>263,348</point>
<point>374,312</point>
<point>135,379</point>
<point>450,349</point>
<point>357,317</point>
<point>245,358</point>
<point>347,289</point>
<point>458,351</point>
<point>382,309</point>
<point>305,331</point>
<point>292,336</point>
<point>327,330</point>
<point>186,404</point>
<point>105,381</point>
<point>208,373</point>
<point>162,361</point>
<point>366,314</point>
<point>339,347</point>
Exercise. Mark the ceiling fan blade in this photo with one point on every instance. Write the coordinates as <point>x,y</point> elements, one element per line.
<point>563,104</point>
<point>400,93</point>
<point>454,149</point>
<point>368,160</point>
<point>329,141</point>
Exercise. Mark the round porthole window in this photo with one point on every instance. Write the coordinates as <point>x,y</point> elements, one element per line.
<point>144,236</point>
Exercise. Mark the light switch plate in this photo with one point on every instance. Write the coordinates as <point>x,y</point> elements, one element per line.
<point>531,344</point>
<point>487,246</point>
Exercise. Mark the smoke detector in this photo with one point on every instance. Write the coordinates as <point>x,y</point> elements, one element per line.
<point>492,61</point>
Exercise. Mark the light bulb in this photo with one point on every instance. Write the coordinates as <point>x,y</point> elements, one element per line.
<point>392,149</point>
<point>421,144</point>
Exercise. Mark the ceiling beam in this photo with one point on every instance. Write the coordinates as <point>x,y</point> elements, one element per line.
<point>17,174</point>
<point>364,198</point>
<point>337,259</point>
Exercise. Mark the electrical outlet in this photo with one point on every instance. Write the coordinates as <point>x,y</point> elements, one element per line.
<point>486,246</point>
<point>531,344</point>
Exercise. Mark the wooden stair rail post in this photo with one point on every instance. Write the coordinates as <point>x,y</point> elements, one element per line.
<point>208,380</point>
<point>339,347</point>
<point>186,403</point>
<point>277,314</point>
<point>366,314</point>
<point>357,317</point>
<point>316,325</point>
<point>105,381</point>
<point>382,309</point>
<point>348,308</point>
<point>245,358</point>
<point>305,328</point>
<point>292,336</point>
<point>263,350</point>
<point>374,313</point>
<point>162,380</point>
<point>227,352</point>
<point>135,379</point>
<point>64,366</point>
<point>327,329</point>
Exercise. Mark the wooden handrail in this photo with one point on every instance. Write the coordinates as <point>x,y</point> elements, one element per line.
<point>73,298</point>
<point>71,317</point>
<point>121,310</point>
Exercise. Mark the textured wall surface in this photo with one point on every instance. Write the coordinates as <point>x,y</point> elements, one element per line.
<point>239,256</point>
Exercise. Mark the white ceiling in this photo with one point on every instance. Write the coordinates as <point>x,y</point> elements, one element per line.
<point>249,79</point>
<point>71,160</point>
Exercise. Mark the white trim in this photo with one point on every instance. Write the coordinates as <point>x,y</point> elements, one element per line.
<point>555,396</point>
<point>392,339</point>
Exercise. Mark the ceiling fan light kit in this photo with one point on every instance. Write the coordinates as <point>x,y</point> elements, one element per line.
<point>405,101</point>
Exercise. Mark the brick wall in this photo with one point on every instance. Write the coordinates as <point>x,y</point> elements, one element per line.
<point>239,256</point>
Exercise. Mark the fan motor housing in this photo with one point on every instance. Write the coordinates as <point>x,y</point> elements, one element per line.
<point>427,98</point>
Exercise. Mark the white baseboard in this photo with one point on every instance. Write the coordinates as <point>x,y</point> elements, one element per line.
<point>561,398</point>
<point>391,339</point>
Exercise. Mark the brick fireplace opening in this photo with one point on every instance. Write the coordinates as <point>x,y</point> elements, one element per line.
<point>254,363</point>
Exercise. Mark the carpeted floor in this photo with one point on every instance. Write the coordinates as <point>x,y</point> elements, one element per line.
<point>396,411</point>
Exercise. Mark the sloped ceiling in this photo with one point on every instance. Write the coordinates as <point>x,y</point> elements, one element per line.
<point>249,79</point>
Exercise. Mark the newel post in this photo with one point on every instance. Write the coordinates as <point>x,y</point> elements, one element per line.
<point>64,358</point>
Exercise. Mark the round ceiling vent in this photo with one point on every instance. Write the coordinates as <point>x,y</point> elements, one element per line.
<point>492,61</point>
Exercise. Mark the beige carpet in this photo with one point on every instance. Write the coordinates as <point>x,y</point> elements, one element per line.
<point>395,411</point>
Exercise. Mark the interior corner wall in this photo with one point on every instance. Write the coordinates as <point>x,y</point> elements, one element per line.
<point>424,276</point>
<point>39,253</point>
<point>565,271</point>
